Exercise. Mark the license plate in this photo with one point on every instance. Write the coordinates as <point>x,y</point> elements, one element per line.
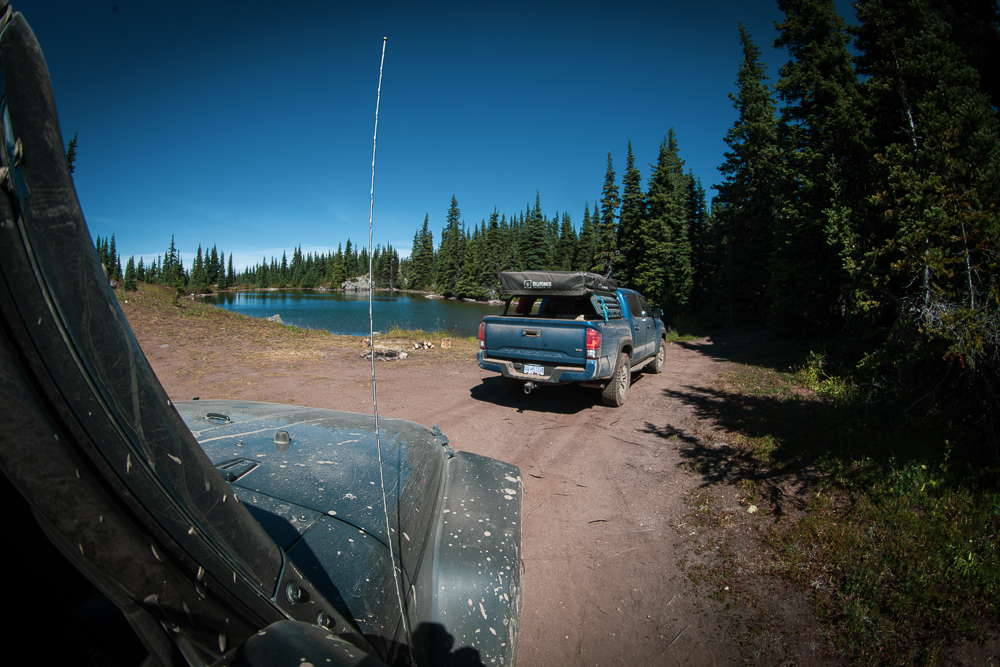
<point>532,369</point>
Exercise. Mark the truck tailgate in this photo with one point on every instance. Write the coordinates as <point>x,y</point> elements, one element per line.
<point>548,341</point>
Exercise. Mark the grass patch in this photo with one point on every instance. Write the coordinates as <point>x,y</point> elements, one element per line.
<point>891,529</point>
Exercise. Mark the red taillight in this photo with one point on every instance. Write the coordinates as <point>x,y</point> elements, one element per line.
<point>482,335</point>
<point>593,344</point>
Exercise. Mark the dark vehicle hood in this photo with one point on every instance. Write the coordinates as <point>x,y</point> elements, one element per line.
<point>318,493</point>
<point>329,465</point>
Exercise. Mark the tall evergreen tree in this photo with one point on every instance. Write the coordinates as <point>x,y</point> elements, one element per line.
<point>607,244</point>
<point>931,261</point>
<point>630,222</point>
<point>664,273</point>
<point>128,283</point>
<point>822,138</point>
<point>173,270</point>
<point>533,242</point>
<point>746,205</point>
<point>586,246</point>
<point>704,244</point>
<point>198,275</point>
<point>112,259</point>
<point>566,246</point>
<point>450,254</point>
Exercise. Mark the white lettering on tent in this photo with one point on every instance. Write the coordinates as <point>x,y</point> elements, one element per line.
<point>529,284</point>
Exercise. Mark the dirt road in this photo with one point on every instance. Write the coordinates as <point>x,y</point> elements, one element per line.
<point>606,546</point>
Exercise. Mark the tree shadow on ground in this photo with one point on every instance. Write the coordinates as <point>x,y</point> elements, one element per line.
<point>768,441</point>
<point>726,346</point>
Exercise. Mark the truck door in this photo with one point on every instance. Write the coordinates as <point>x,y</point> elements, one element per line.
<point>642,329</point>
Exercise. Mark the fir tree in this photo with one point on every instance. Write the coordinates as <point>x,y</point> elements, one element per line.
<point>664,273</point>
<point>821,134</point>
<point>746,204</point>
<point>112,260</point>
<point>422,258</point>
<point>704,244</point>
<point>566,247</point>
<point>932,261</point>
<point>213,267</point>
<point>532,244</point>
<point>198,271</point>
<point>629,225</point>
<point>607,244</point>
<point>450,254</point>
<point>129,284</point>
<point>587,243</point>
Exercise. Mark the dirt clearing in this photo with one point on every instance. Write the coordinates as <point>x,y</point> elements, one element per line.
<point>620,568</point>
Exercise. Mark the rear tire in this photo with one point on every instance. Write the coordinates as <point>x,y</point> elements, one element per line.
<point>513,386</point>
<point>616,390</point>
<point>656,365</point>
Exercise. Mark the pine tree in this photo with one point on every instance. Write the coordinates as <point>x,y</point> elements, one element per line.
<point>422,258</point>
<point>213,267</point>
<point>932,261</point>
<point>450,254</point>
<point>338,274</point>
<point>494,257</point>
<point>112,259</point>
<point>128,283</point>
<point>198,270</point>
<point>566,247</point>
<point>629,224</point>
<point>586,246</point>
<point>821,135</point>
<point>704,244</point>
<point>351,261</point>
<point>532,244</point>
<point>607,244</point>
<point>746,205</point>
<point>664,273</point>
<point>172,268</point>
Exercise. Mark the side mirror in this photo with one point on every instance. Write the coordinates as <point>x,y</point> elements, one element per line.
<point>658,312</point>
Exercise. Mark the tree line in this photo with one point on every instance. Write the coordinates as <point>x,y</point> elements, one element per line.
<point>859,195</point>
<point>210,269</point>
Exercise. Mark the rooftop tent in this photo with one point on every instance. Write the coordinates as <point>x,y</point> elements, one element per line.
<point>555,283</point>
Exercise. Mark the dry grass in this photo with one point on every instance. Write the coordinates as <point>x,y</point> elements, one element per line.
<point>254,343</point>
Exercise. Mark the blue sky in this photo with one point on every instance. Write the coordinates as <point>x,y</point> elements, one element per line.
<point>248,125</point>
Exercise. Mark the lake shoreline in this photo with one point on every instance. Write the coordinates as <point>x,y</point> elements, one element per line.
<point>428,295</point>
<point>345,311</point>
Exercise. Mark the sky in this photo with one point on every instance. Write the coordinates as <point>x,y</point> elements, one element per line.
<point>249,125</point>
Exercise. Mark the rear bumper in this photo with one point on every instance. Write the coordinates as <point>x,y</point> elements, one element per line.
<point>553,374</point>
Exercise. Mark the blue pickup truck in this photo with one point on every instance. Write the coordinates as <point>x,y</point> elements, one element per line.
<point>571,327</point>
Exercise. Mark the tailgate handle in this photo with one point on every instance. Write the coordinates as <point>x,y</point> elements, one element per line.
<point>531,333</point>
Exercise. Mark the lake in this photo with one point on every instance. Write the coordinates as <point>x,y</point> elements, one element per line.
<point>347,312</point>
